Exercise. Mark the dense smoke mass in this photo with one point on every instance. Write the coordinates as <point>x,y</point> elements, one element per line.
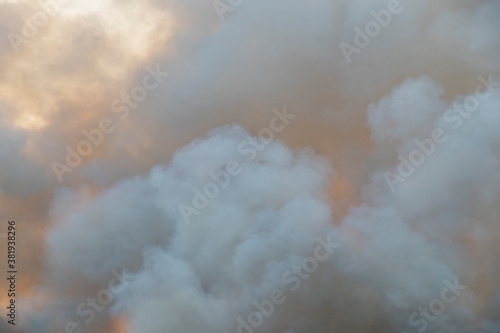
<point>250,166</point>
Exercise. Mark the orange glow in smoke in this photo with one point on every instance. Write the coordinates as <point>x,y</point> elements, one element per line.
<point>342,197</point>
<point>119,326</point>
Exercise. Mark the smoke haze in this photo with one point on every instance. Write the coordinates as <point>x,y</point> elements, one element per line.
<point>392,152</point>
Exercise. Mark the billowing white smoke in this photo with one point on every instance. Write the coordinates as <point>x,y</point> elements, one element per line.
<point>393,207</point>
<point>394,254</point>
<point>203,271</point>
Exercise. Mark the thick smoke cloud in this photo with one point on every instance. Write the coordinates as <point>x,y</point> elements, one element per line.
<point>393,156</point>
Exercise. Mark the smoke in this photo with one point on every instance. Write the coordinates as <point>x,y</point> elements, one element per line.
<point>374,210</point>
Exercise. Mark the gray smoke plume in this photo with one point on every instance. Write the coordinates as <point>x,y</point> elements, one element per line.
<point>373,209</point>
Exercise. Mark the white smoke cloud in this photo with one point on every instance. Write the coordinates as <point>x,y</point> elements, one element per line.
<point>324,177</point>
